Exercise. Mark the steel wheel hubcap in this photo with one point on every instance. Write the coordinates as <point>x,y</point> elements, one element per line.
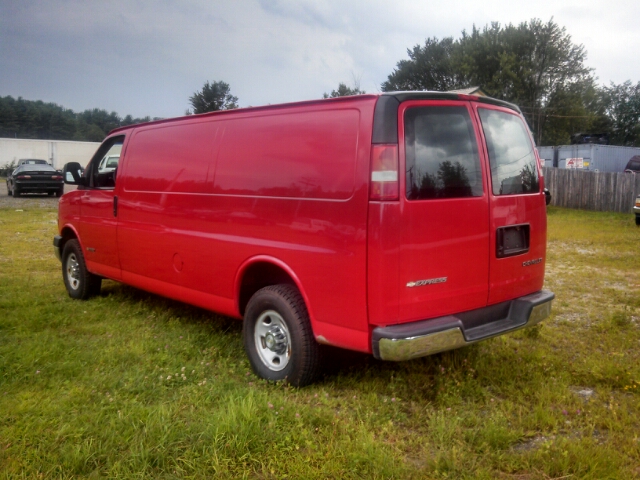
<point>272,339</point>
<point>73,271</point>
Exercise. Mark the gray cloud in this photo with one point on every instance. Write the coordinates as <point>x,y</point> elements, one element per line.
<point>147,57</point>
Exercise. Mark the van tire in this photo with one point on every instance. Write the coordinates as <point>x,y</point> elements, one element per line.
<point>278,337</point>
<point>80,283</point>
<point>15,192</point>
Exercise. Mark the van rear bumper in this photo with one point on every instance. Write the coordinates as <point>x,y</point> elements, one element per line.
<point>426,337</point>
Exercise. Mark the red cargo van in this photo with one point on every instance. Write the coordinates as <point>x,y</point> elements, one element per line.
<point>400,224</point>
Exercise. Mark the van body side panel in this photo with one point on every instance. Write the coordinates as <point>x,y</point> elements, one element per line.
<point>343,337</point>
<point>224,306</point>
<point>290,154</point>
<point>145,239</point>
<point>294,185</point>
<point>291,184</point>
<point>383,240</point>
<point>165,174</point>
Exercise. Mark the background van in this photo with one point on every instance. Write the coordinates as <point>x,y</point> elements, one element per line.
<point>400,224</point>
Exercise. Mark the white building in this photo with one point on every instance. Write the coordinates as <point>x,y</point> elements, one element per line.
<point>56,152</point>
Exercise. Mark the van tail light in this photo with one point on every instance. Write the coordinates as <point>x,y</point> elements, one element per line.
<point>56,177</point>
<point>23,177</point>
<point>384,172</point>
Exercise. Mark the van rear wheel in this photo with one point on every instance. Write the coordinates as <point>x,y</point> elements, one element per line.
<point>80,283</point>
<point>278,337</point>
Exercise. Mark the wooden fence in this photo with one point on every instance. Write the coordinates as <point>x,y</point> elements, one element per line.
<point>602,191</point>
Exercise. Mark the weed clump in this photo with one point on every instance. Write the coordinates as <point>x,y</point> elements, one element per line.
<point>621,318</point>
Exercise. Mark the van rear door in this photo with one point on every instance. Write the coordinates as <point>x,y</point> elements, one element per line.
<point>516,204</point>
<point>444,210</point>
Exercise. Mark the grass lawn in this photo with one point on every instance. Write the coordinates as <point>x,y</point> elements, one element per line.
<point>132,385</point>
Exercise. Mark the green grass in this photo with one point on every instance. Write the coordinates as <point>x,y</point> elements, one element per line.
<point>132,385</point>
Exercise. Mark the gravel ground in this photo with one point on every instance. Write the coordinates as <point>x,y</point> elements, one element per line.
<point>29,200</point>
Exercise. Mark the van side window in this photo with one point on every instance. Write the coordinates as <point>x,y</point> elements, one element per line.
<point>104,165</point>
<point>441,154</point>
<point>513,161</point>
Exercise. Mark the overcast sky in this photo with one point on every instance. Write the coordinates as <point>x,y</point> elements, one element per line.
<point>147,57</point>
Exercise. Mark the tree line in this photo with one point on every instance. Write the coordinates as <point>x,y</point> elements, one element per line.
<point>534,64</point>
<point>20,118</point>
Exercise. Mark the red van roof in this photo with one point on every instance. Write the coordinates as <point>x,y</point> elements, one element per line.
<point>391,100</point>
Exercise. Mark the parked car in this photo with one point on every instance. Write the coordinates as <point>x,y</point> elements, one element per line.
<point>636,210</point>
<point>32,161</point>
<point>398,224</point>
<point>35,178</point>
<point>108,164</point>
<point>633,166</point>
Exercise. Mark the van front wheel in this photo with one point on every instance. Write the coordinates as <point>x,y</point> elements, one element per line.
<point>81,284</point>
<point>278,337</point>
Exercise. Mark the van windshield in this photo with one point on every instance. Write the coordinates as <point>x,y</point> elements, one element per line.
<point>513,161</point>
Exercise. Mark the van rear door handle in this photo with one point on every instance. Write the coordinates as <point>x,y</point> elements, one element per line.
<point>115,206</point>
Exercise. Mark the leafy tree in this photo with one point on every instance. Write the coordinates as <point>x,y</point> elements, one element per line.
<point>451,180</point>
<point>9,124</point>
<point>129,120</point>
<point>432,67</point>
<point>213,96</point>
<point>454,180</point>
<point>571,110</point>
<point>534,64</point>
<point>344,91</point>
<point>622,104</point>
<point>96,124</point>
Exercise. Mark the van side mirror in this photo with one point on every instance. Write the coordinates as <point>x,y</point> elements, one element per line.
<point>547,196</point>
<point>72,174</point>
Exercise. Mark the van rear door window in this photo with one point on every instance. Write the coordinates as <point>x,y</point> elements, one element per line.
<point>441,153</point>
<point>511,155</point>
